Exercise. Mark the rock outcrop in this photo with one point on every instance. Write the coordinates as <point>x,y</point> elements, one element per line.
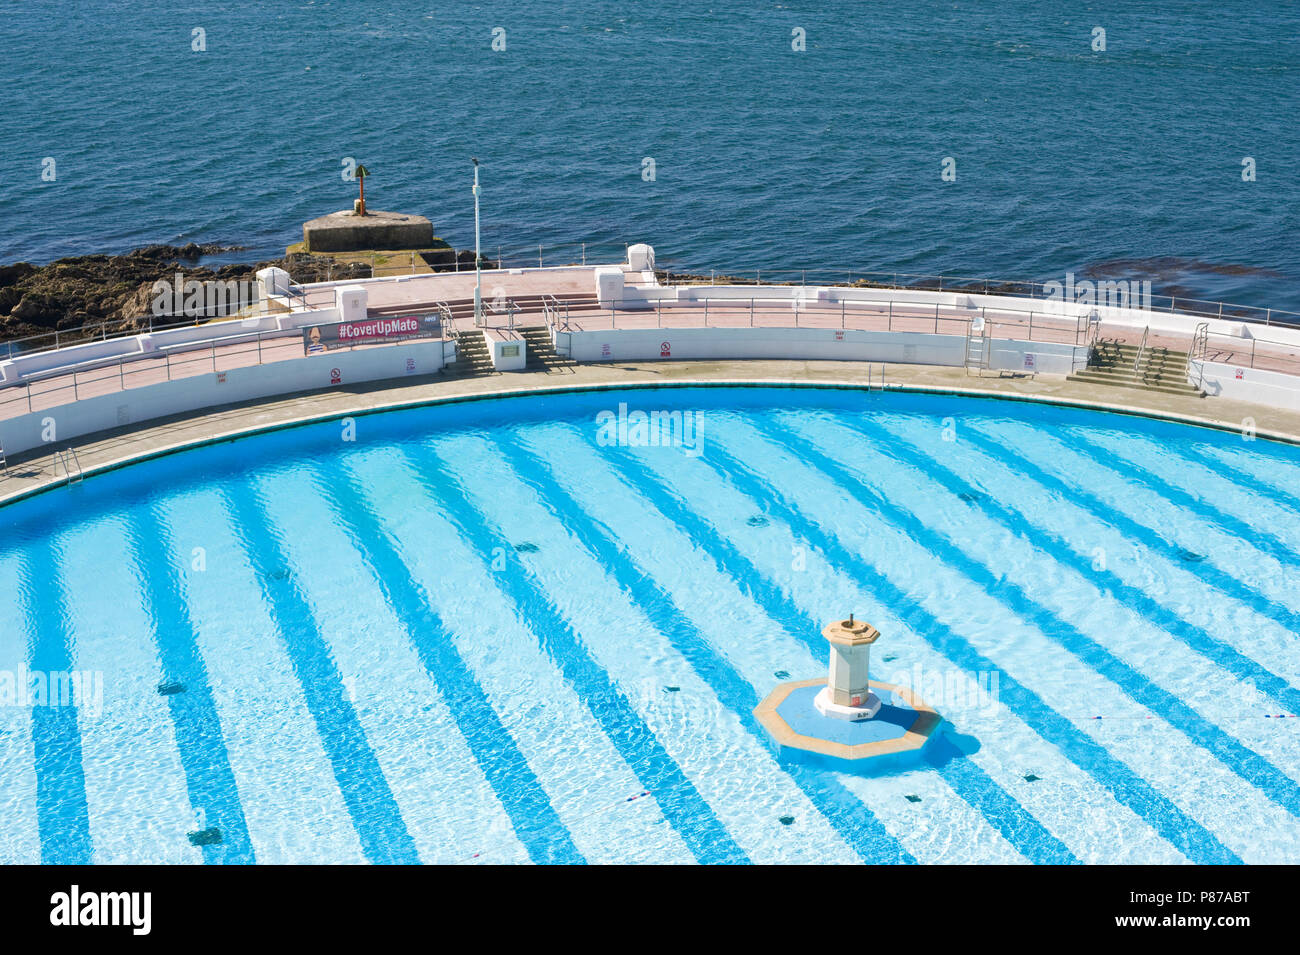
<point>118,289</point>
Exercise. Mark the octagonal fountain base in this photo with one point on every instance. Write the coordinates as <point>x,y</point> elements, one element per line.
<point>896,736</point>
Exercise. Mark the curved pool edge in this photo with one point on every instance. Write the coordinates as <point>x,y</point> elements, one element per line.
<point>45,483</point>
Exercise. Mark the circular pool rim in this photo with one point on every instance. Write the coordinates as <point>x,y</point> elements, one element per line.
<point>299,421</point>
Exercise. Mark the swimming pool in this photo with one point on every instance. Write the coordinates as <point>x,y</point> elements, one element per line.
<point>517,630</point>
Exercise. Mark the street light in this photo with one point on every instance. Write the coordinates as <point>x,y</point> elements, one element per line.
<point>478,274</point>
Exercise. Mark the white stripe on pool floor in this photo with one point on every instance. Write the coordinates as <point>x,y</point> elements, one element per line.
<point>1197,680</point>
<point>1165,581</point>
<point>446,802</point>
<point>1010,748</point>
<point>745,787</point>
<point>291,800</point>
<point>1147,507</point>
<point>1214,489</point>
<point>20,841</point>
<point>136,792</point>
<point>577,766</point>
<point>1199,783</point>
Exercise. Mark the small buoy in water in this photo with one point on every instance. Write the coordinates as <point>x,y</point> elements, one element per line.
<point>1031,778</point>
<point>170,689</point>
<point>672,689</point>
<point>913,798</point>
<point>787,820</point>
<point>781,675</point>
<point>758,521</point>
<point>527,547</point>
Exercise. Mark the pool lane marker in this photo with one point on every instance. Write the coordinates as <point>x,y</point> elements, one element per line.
<point>62,811</point>
<point>968,781</point>
<point>1212,648</point>
<point>1231,525</point>
<point>200,741</point>
<point>1127,787</point>
<point>1254,769</point>
<point>375,814</point>
<point>1152,538</point>
<point>521,795</point>
<point>845,812</point>
<point>679,800</point>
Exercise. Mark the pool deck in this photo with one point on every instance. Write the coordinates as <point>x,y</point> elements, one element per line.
<point>32,472</point>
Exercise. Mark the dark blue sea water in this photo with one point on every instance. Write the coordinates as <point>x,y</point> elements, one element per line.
<point>1126,161</point>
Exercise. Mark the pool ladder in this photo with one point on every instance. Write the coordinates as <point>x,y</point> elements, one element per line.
<point>71,466</point>
<point>874,383</point>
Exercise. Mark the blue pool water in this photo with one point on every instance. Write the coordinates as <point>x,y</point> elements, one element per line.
<point>493,632</point>
<point>1127,161</point>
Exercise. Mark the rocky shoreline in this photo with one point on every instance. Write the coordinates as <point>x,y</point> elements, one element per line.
<point>114,293</point>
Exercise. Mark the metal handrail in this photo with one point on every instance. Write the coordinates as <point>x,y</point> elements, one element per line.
<point>1200,347</point>
<point>1137,362</point>
<point>68,458</point>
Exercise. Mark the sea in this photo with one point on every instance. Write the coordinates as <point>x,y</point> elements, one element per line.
<point>1025,141</point>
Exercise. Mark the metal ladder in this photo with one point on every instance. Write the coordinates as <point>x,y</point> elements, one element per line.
<point>1197,353</point>
<point>71,466</point>
<point>874,383</point>
<point>977,344</point>
<point>4,463</point>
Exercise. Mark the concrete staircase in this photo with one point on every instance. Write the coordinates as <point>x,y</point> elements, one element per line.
<point>472,356</point>
<point>1161,369</point>
<point>542,355</point>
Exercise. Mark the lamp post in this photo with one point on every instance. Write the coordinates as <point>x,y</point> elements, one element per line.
<point>478,274</point>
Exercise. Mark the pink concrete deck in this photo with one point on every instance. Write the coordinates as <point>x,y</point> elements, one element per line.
<point>426,291</point>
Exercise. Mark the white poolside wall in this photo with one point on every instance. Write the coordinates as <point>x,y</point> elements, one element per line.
<point>808,344</point>
<point>310,373</point>
<point>1242,383</point>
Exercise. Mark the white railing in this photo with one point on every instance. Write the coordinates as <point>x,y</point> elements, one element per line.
<point>1011,319</point>
<point>915,281</point>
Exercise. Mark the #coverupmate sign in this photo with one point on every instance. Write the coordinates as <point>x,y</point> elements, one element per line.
<point>317,339</point>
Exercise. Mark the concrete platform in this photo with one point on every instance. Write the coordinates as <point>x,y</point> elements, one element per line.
<point>345,231</point>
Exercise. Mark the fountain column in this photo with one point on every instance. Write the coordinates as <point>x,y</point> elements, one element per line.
<point>848,693</point>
